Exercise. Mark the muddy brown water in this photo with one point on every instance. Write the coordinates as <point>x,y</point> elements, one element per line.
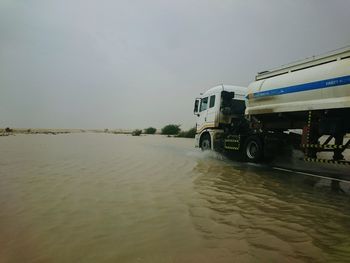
<point>118,198</point>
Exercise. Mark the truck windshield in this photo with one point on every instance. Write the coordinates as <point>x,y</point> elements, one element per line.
<point>204,104</point>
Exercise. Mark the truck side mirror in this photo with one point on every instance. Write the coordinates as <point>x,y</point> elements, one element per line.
<point>196,107</point>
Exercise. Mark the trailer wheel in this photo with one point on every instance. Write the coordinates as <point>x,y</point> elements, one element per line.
<point>253,149</point>
<point>205,142</point>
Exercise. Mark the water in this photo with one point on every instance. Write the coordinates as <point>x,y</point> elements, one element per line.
<point>118,198</point>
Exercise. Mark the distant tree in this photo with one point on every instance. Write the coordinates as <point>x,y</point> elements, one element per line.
<point>171,129</point>
<point>106,130</point>
<point>136,132</point>
<point>191,133</point>
<point>150,130</point>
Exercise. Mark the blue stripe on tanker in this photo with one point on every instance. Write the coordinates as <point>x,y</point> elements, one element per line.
<point>322,84</point>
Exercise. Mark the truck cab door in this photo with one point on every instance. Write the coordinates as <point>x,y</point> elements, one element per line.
<point>212,111</point>
<point>202,114</point>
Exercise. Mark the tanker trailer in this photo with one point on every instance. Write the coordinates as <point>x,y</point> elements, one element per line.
<point>312,96</point>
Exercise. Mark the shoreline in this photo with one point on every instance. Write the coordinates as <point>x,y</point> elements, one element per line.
<point>7,131</point>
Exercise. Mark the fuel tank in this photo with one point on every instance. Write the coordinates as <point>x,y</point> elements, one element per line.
<point>313,84</point>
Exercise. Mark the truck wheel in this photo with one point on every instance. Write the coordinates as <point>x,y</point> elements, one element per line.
<point>253,149</point>
<point>205,142</point>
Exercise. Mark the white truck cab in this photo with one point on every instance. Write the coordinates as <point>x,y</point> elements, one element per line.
<point>216,108</point>
<point>257,123</point>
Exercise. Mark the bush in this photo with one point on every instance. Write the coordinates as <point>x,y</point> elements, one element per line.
<point>136,133</point>
<point>150,130</point>
<point>191,133</point>
<point>8,129</point>
<point>171,129</point>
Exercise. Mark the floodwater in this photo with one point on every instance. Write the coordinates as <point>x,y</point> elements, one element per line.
<point>118,198</point>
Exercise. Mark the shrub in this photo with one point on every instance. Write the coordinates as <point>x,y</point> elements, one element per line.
<point>150,130</point>
<point>171,129</point>
<point>188,134</point>
<point>136,132</point>
<point>8,129</point>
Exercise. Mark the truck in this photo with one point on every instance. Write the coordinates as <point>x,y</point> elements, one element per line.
<point>303,106</point>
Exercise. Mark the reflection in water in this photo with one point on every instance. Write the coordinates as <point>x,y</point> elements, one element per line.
<point>118,198</point>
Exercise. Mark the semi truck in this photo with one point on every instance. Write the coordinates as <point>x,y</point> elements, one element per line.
<point>302,106</point>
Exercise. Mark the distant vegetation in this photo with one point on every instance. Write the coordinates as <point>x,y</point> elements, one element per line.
<point>150,130</point>
<point>171,129</point>
<point>136,132</point>
<point>14,131</point>
<point>174,129</point>
<point>188,134</point>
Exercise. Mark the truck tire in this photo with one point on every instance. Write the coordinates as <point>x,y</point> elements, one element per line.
<point>253,149</point>
<point>205,142</point>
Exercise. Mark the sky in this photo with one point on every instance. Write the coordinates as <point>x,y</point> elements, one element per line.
<point>136,63</point>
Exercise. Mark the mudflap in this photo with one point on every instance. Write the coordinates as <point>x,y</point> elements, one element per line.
<point>276,146</point>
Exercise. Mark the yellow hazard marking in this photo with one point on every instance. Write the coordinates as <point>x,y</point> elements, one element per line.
<point>233,144</point>
<point>320,146</point>
<point>309,127</point>
<point>232,148</point>
<point>316,160</point>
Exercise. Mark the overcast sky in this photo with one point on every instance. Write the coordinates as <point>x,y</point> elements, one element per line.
<point>133,64</point>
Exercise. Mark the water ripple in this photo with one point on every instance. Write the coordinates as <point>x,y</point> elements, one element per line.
<point>117,198</point>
